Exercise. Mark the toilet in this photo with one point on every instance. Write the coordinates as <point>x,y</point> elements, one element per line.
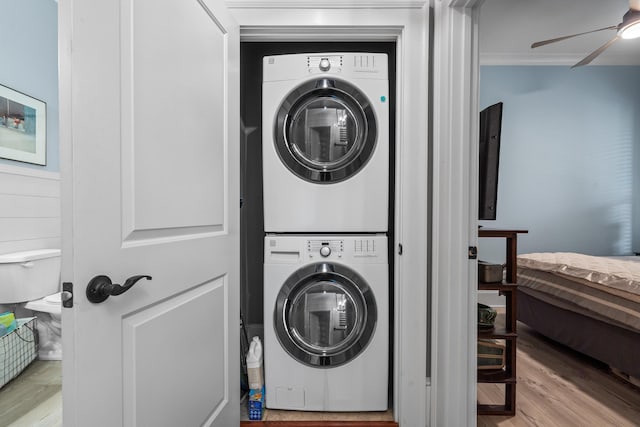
<point>48,310</point>
<point>30,285</point>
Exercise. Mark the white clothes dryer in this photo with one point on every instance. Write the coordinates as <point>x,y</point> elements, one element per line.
<point>326,322</point>
<point>325,142</point>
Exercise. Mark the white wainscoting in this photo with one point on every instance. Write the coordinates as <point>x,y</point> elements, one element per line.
<point>29,209</point>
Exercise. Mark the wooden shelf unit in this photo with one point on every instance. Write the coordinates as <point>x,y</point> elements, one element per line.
<point>507,332</point>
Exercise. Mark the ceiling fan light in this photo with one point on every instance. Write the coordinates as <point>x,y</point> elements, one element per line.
<point>630,26</point>
<point>630,31</point>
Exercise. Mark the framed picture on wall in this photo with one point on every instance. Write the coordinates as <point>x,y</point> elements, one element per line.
<point>23,127</point>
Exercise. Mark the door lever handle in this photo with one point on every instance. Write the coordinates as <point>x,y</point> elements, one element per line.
<point>101,287</point>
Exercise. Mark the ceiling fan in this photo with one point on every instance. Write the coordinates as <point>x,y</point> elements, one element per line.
<point>629,28</point>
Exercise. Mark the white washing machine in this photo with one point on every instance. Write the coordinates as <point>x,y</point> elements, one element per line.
<point>325,142</point>
<point>326,322</point>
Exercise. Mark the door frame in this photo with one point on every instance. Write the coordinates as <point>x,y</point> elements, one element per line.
<point>407,26</point>
<point>455,207</point>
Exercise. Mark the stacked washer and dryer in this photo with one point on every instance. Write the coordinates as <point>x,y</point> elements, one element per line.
<point>326,201</point>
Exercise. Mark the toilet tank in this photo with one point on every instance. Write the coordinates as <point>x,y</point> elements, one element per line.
<point>29,275</point>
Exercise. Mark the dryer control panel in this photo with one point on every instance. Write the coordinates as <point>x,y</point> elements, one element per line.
<point>323,64</point>
<point>348,65</point>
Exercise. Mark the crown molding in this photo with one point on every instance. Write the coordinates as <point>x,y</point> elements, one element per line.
<point>489,58</point>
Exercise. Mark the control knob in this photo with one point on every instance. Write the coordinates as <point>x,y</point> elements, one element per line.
<point>325,64</point>
<point>325,251</point>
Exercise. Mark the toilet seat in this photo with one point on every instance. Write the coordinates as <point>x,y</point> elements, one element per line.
<point>53,299</point>
<point>49,304</point>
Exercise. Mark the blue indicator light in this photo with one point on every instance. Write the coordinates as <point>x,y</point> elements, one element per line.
<point>383,98</point>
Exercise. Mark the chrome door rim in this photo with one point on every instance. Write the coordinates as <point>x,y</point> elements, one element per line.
<point>357,340</point>
<point>353,100</point>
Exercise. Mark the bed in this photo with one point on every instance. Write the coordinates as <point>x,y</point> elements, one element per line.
<point>589,303</point>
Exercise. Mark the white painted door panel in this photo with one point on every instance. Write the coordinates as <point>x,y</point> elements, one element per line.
<point>151,187</point>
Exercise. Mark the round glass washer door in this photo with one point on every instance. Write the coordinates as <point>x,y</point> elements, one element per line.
<point>325,315</point>
<point>325,131</point>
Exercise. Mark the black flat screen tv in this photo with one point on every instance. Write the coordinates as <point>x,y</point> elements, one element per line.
<point>489,147</point>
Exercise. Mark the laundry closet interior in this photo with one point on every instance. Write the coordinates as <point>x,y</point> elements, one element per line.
<point>318,173</point>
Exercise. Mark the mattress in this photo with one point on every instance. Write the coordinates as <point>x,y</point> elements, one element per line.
<point>605,288</point>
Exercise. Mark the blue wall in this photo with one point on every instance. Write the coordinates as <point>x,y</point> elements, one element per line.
<point>569,149</point>
<point>29,62</point>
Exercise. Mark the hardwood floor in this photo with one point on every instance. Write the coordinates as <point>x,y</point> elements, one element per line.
<point>33,398</point>
<point>560,387</point>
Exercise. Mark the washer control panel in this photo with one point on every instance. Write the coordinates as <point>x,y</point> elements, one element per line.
<point>331,248</point>
<point>325,248</point>
<point>346,248</point>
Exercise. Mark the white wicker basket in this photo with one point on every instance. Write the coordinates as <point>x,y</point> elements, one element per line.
<point>18,349</point>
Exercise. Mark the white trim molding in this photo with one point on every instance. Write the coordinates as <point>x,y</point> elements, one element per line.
<point>455,92</point>
<point>327,33</point>
<point>552,59</point>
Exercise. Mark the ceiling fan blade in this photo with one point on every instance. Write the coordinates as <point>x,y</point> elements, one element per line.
<point>557,39</point>
<point>596,52</point>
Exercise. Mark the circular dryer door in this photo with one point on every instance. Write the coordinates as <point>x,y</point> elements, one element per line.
<point>325,131</point>
<point>325,315</point>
